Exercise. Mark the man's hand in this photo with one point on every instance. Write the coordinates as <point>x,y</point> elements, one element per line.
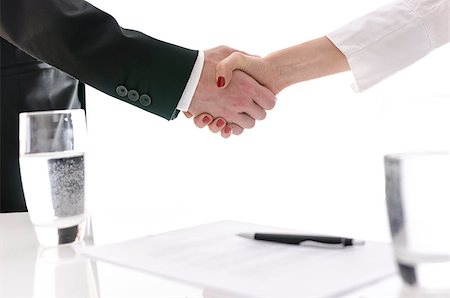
<point>242,102</point>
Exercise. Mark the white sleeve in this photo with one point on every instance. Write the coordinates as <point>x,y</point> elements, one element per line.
<point>191,86</point>
<point>392,38</point>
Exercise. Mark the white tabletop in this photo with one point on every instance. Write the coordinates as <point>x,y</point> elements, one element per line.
<point>30,270</point>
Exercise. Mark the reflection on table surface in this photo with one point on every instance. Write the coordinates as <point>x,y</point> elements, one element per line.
<point>62,272</point>
<point>30,270</point>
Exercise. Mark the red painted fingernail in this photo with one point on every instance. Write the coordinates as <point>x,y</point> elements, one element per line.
<point>220,123</point>
<point>227,129</point>
<point>206,120</point>
<point>220,82</point>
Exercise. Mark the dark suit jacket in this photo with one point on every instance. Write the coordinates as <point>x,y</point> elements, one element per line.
<point>73,37</point>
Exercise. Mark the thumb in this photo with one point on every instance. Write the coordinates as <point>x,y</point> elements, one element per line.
<point>225,68</point>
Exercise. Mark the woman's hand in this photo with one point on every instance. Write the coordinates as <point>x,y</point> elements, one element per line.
<point>216,125</point>
<point>261,69</point>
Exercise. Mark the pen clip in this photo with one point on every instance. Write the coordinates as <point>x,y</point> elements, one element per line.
<point>312,243</point>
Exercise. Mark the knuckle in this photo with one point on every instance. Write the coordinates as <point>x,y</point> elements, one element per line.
<point>226,49</point>
<point>237,56</point>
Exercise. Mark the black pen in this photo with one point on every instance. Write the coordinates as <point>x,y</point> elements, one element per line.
<point>307,240</point>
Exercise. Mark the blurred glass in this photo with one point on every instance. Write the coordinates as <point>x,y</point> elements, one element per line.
<point>52,149</point>
<point>418,205</point>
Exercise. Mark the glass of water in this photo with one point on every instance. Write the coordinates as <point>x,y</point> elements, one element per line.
<point>52,149</point>
<point>418,204</point>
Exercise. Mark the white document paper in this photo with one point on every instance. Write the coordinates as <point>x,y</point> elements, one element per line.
<point>212,257</point>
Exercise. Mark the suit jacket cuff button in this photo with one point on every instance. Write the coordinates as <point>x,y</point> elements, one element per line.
<point>145,100</point>
<point>133,95</point>
<point>122,91</point>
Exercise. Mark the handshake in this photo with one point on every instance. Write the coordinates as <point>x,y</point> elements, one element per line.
<point>236,89</point>
<point>230,101</point>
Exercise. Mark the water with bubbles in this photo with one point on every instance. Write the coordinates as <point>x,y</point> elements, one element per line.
<point>53,184</point>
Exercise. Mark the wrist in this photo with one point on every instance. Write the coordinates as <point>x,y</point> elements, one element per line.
<point>273,74</point>
<point>192,83</point>
<point>307,61</point>
<point>326,58</point>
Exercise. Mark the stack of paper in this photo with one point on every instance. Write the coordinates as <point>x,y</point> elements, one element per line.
<point>211,256</point>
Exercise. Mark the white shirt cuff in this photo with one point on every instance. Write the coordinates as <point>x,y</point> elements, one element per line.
<point>392,38</point>
<point>191,86</point>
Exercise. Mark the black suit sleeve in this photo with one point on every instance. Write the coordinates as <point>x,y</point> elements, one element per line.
<point>88,44</point>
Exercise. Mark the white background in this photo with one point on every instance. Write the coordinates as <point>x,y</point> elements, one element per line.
<point>315,164</point>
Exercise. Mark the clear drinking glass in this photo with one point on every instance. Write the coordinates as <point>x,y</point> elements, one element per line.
<point>418,204</point>
<point>52,149</point>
